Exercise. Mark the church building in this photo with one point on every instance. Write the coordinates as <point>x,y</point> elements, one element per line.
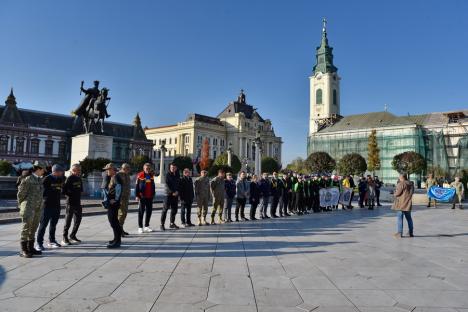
<point>440,137</point>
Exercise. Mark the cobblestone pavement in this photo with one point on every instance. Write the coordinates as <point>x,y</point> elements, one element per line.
<point>339,261</point>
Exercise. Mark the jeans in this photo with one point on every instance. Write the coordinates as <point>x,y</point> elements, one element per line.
<point>227,208</point>
<point>253,207</point>
<point>72,212</point>
<point>274,205</point>
<point>170,202</point>
<point>52,215</point>
<point>264,207</point>
<point>145,206</point>
<point>186,212</point>
<point>407,215</point>
<point>240,207</point>
<point>113,217</point>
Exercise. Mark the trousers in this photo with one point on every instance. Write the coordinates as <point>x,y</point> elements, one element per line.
<point>240,207</point>
<point>145,207</point>
<point>409,220</point>
<point>186,212</point>
<point>52,215</point>
<point>113,217</point>
<point>73,212</point>
<point>170,203</point>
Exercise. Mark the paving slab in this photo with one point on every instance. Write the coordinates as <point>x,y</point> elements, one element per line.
<point>339,261</point>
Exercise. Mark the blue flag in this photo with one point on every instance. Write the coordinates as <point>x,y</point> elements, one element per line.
<point>441,194</point>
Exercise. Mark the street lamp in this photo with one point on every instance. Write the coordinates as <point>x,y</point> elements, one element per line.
<point>229,154</point>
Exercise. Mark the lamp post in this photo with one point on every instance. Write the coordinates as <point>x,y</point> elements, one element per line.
<point>258,153</point>
<point>162,176</point>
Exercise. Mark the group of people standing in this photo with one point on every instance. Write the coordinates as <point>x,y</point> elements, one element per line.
<point>39,203</point>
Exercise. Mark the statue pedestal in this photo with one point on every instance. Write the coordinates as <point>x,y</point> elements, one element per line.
<point>91,146</point>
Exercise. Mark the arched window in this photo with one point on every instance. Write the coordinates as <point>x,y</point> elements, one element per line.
<point>335,99</point>
<point>34,146</point>
<point>318,96</point>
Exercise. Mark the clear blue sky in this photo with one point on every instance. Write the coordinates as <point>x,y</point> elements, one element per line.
<point>165,59</point>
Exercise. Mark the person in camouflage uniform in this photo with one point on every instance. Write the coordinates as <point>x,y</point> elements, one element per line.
<point>202,194</point>
<point>430,182</point>
<point>124,174</point>
<point>30,193</point>
<point>459,192</point>
<point>217,190</point>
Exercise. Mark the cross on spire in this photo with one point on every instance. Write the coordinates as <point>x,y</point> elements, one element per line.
<point>324,28</point>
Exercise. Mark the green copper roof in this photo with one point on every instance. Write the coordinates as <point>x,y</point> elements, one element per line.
<point>324,55</point>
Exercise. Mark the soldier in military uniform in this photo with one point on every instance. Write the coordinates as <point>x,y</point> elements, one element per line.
<point>430,182</point>
<point>30,193</point>
<point>217,190</point>
<point>459,192</point>
<point>202,194</point>
<point>124,175</point>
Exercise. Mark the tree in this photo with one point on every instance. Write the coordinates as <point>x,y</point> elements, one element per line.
<point>297,165</point>
<point>137,162</point>
<point>353,164</point>
<point>409,163</point>
<point>210,164</point>
<point>89,165</point>
<point>183,162</point>
<point>223,160</point>
<point>320,163</point>
<point>270,165</point>
<point>438,172</point>
<point>5,167</point>
<point>373,153</point>
<point>205,155</point>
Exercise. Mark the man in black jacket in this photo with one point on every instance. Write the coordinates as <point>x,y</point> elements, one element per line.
<point>186,198</point>
<point>51,207</point>
<point>265,188</point>
<point>72,190</point>
<point>171,200</point>
<point>275,192</point>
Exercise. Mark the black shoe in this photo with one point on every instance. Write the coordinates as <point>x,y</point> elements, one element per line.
<point>115,244</point>
<point>453,207</point>
<point>75,240</point>
<point>33,251</point>
<point>107,115</point>
<point>190,224</point>
<point>267,217</point>
<point>162,227</point>
<point>25,253</point>
<point>287,214</point>
<point>244,219</point>
<point>173,226</point>
<point>111,242</point>
<point>274,216</point>
<point>65,241</point>
<point>125,233</point>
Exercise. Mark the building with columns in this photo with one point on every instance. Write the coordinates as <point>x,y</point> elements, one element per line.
<point>28,135</point>
<point>236,127</point>
<point>440,137</point>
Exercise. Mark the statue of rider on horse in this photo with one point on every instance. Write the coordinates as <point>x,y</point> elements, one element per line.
<point>93,108</point>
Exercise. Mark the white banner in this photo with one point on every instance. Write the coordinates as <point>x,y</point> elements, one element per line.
<point>345,196</point>
<point>329,196</point>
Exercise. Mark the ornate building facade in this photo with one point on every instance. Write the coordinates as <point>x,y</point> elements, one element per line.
<point>236,127</point>
<point>28,135</point>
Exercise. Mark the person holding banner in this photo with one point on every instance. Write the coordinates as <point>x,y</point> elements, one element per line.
<point>430,182</point>
<point>403,204</point>
<point>459,192</point>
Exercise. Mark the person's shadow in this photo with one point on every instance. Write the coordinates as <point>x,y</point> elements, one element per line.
<point>2,276</point>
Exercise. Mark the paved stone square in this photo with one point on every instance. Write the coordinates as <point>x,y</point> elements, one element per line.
<point>339,261</point>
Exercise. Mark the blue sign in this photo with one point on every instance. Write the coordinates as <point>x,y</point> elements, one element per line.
<point>441,194</point>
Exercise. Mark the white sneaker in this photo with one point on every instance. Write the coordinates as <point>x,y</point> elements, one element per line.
<point>147,229</point>
<point>140,231</point>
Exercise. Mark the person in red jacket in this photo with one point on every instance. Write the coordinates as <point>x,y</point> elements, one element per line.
<point>145,190</point>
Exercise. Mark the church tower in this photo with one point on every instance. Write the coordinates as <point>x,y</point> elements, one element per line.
<point>324,86</point>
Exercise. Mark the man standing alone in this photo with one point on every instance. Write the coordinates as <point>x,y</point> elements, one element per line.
<point>403,204</point>
<point>145,190</point>
<point>30,193</point>
<point>72,190</point>
<point>186,198</point>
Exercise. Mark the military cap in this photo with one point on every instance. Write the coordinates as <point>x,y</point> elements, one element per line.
<point>39,164</point>
<point>109,166</point>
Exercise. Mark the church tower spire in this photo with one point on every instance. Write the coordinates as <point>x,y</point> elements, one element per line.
<point>324,85</point>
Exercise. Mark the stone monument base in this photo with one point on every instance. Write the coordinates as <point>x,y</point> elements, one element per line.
<point>91,146</point>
